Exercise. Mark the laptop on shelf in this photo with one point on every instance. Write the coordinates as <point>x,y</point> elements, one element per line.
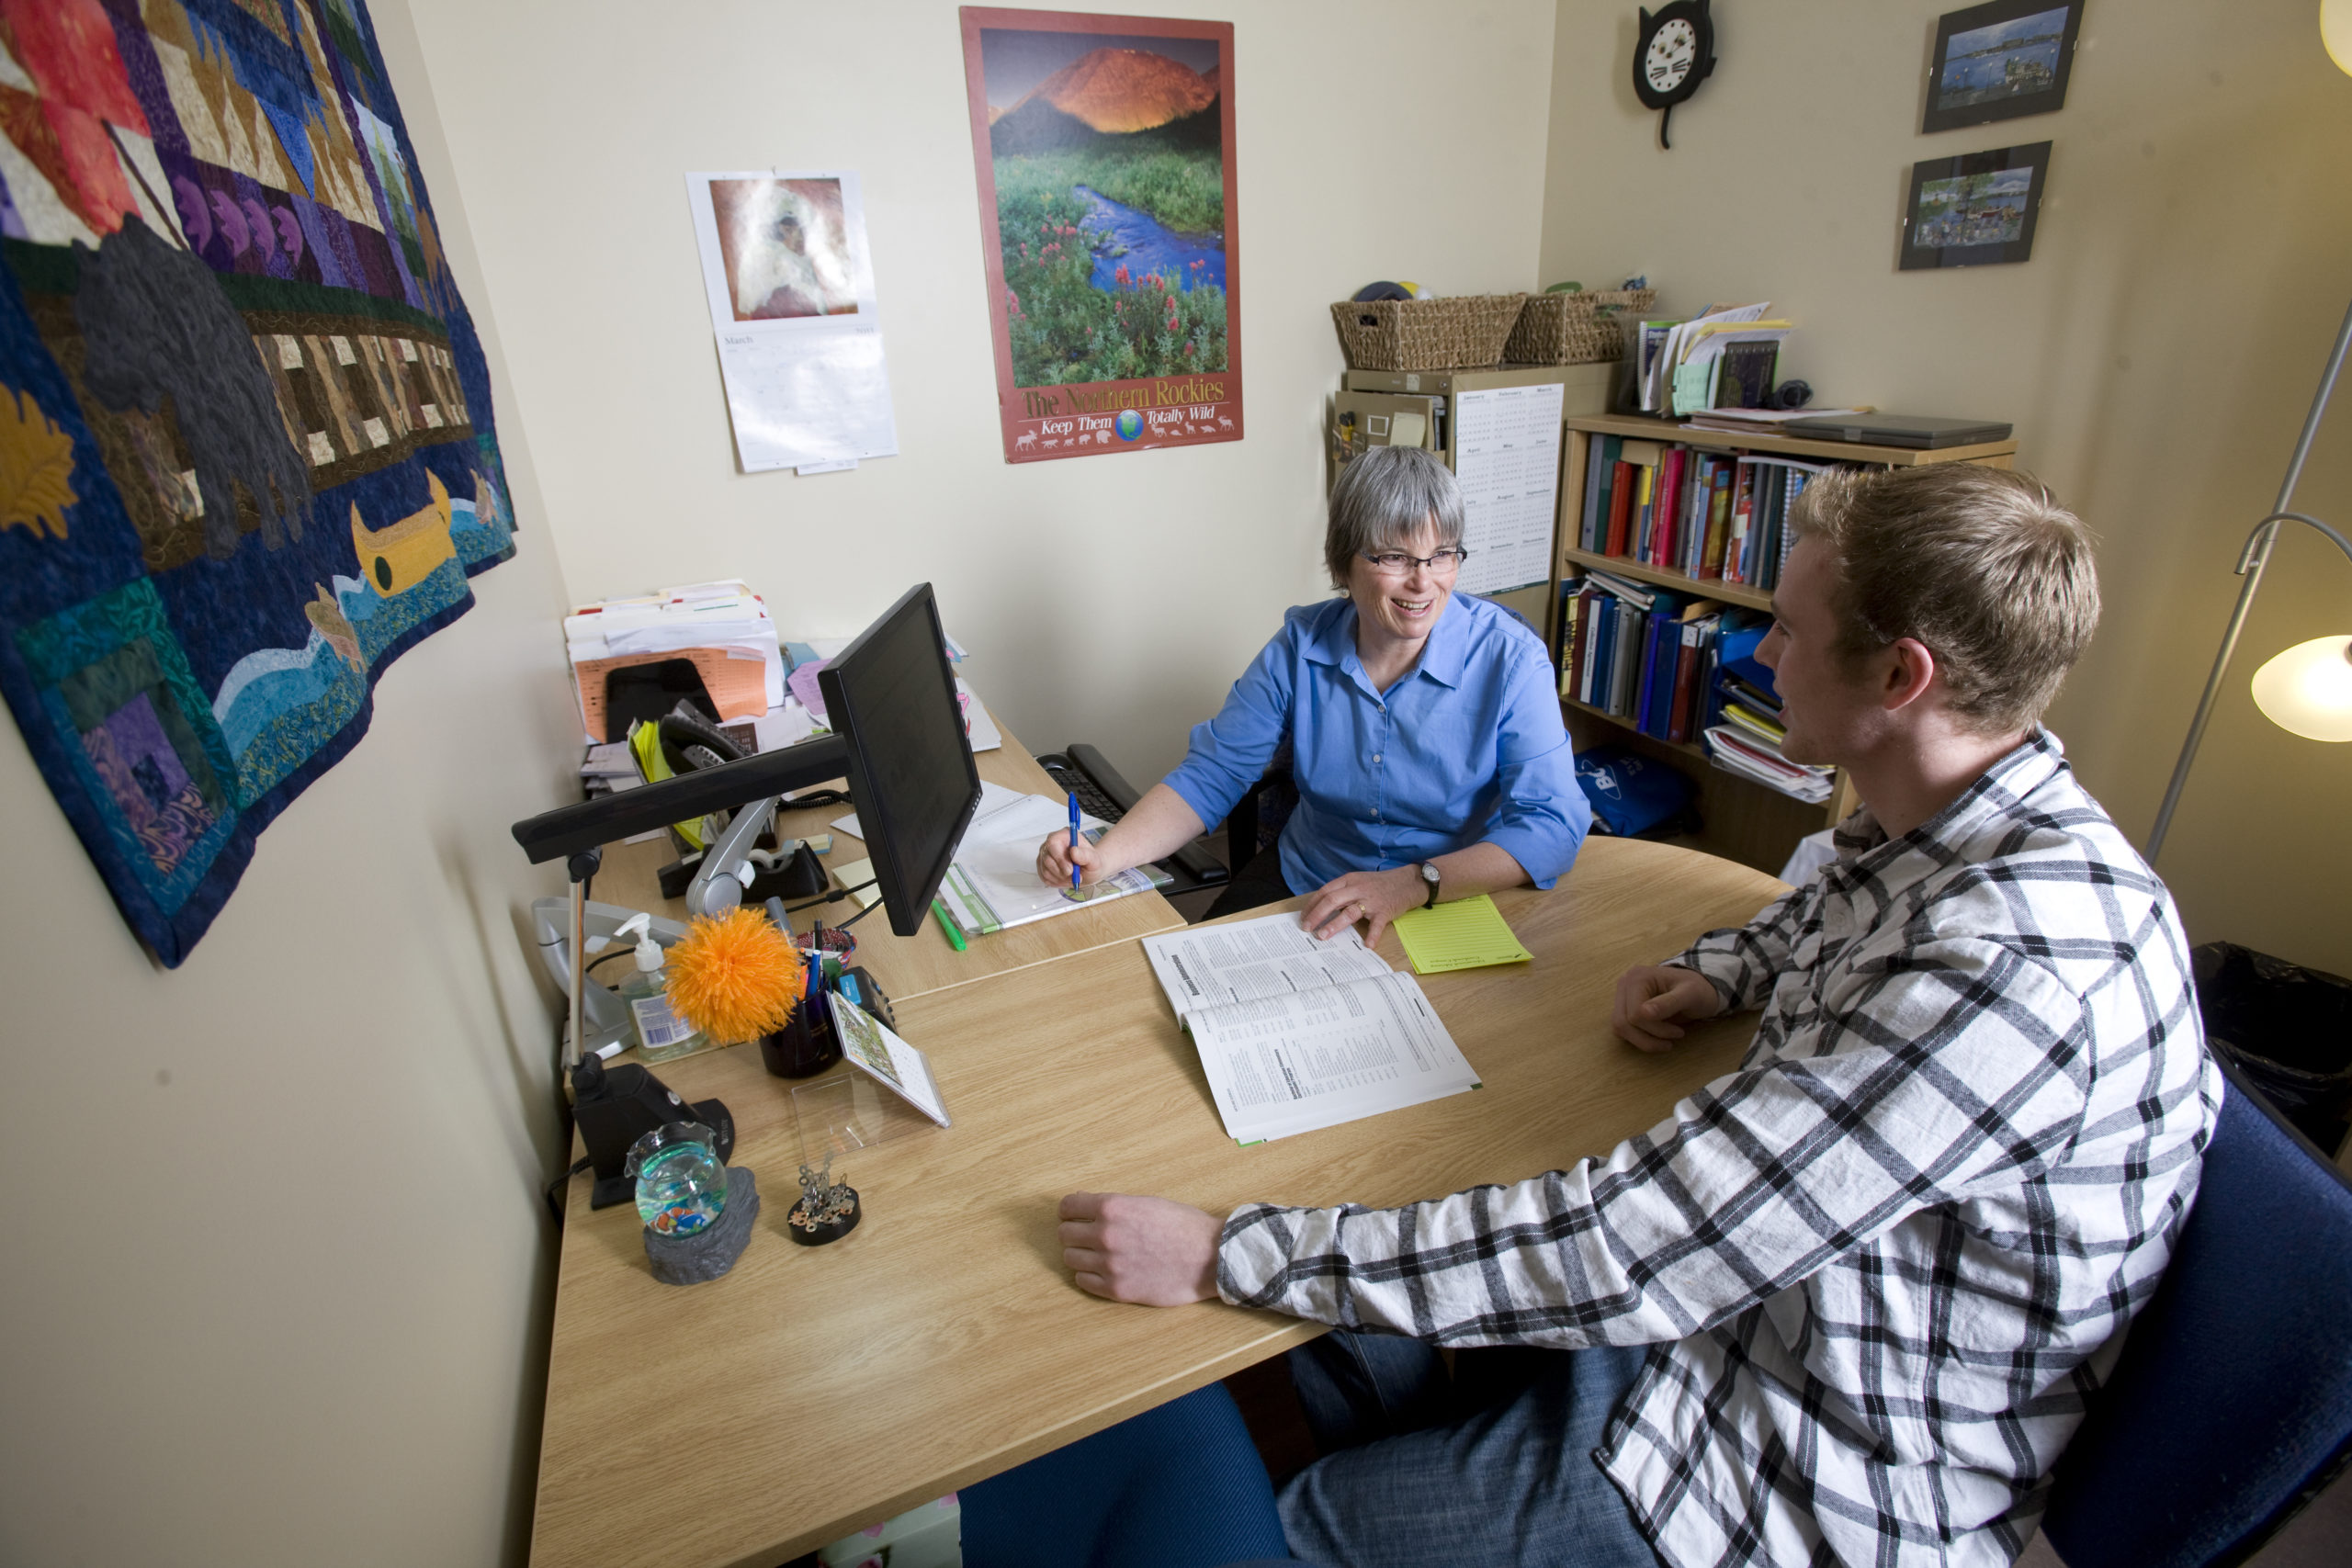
<point>1898,430</point>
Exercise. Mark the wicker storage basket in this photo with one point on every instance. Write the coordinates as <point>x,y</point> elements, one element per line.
<point>1577,329</point>
<point>1426,335</point>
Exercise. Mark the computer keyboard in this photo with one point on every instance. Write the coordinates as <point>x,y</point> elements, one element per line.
<point>1090,799</point>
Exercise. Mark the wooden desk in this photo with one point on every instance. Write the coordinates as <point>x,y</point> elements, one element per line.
<point>910,965</point>
<point>811,1393</point>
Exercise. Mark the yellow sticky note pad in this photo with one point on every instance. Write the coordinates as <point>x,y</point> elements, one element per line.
<point>852,874</point>
<point>1468,933</point>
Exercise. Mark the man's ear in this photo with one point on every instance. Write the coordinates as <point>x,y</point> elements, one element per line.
<point>1908,670</point>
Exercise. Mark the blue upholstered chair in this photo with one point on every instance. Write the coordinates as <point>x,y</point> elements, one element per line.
<point>1180,1486</point>
<point>2232,1405</point>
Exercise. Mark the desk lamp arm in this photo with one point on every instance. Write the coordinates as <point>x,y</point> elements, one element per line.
<point>570,829</point>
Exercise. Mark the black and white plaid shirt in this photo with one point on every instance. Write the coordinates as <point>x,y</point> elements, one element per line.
<point>1884,1261</point>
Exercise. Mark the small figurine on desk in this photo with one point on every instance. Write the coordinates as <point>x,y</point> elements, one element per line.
<point>827,1210</point>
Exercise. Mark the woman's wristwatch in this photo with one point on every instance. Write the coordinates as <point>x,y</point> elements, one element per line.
<point>1429,881</point>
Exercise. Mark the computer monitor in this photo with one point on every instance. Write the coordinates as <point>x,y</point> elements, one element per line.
<point>891,694</point>
<point>898,734</point>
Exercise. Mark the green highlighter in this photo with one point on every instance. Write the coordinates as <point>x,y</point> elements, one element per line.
<point>948,924</point>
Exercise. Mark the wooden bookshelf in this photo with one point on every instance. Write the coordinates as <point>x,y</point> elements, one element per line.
<point>1694,752</point>
<point>1704,587</point>
<point>1744,820</point>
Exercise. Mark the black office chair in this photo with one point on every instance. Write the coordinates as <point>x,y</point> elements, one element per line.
<point>2231,1407</point>
<point>1256,818</point>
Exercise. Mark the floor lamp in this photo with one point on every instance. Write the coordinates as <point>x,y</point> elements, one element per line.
<point>2307,689</point>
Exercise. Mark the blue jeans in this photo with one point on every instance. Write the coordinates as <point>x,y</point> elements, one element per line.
<point>1491,1465</point>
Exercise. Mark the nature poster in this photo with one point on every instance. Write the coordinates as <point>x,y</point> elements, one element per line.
<point>1105,152</point>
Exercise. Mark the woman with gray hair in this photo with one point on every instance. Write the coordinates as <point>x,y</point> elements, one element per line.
<point>1424,729</point>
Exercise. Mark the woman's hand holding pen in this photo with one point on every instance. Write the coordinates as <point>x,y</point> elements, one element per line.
<point>1056,857</point>
<point>1157,825</point>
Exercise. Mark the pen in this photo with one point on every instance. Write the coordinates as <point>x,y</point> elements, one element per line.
<point>1073,840</point>
<point>954,937</point>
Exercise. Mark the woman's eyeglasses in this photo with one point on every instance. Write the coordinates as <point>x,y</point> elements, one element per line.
<point>1396,563</point>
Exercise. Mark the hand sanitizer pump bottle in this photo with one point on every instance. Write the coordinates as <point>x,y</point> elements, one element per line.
<point>660,1033</point>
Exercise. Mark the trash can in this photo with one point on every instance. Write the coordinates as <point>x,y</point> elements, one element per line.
<point>2288,1029</point>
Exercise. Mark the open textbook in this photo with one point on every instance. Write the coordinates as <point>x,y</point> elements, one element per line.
<point>1297,1034</point>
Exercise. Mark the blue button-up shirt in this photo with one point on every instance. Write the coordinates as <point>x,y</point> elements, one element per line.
<point>1468,747</point>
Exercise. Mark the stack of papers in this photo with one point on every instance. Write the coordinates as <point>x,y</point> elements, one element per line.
<point>721,628</point>
<point>1676,361</point>
<point>1744,749</point>
<point>1297,1034</point>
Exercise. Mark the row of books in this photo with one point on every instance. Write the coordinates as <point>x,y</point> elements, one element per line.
<point>1709,516</point>
<point>1677,667</point>
<point>1746,739</point>
<point>1647,656</point>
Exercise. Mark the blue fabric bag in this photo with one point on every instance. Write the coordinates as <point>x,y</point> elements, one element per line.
<point>1631,794</point>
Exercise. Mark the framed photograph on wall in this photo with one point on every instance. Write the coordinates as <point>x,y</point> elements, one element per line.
<point>1104,153</point>
<point>1978,210</point>
<point>2000,61</point>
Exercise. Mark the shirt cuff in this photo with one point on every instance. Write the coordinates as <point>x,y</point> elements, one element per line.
<point>1202,800</point>
<point>1254,1253</point>
<point>1538,851</point>
<point>1728,989</point>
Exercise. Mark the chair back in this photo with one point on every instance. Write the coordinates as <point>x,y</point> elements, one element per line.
<point>2231,1404</point>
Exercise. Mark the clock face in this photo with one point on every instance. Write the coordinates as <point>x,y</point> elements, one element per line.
<point>1672,52</point>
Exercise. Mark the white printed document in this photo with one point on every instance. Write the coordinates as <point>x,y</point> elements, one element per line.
<point>1297,1034</point>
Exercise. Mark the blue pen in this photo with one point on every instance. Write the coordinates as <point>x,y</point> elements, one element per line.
<point>1073,840</point>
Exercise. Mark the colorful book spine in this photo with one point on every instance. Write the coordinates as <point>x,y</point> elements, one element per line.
<point>1686,673</point>
<point>1711,561</point>
<point>1665,649</point>
<point>1621,508</point>
<point>1672,471</point>
<point>1742,507</point>
<point>1595,469</point>
<point>1609,446</point>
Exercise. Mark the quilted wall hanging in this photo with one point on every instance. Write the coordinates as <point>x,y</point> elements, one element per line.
<point>245,449</point>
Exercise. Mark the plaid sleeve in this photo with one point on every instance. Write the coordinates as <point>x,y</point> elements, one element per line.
<point>1743,960</point>
<point>1957,1066</point>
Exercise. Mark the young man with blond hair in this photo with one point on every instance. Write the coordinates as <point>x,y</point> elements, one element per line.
<point>1845,1304</point>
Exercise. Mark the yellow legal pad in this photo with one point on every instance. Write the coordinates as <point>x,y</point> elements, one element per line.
<point>1467,933</point>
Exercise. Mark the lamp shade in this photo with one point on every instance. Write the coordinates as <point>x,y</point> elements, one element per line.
<point>2336,31</point>
<point>2308,688</point>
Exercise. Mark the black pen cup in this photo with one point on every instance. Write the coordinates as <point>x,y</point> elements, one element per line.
<point>802,1048</point>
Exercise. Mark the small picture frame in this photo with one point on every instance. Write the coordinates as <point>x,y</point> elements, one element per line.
<point>2000,61</point>
<point>1978,210</point>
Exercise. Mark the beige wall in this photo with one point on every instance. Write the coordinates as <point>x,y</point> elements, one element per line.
<point>1108,599</point>
<point>277,1274</point>
<point>2157,355</point>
